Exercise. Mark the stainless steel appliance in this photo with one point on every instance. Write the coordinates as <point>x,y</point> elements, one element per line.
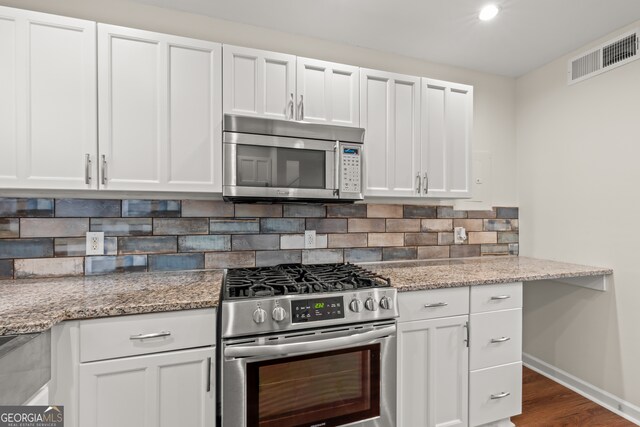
<point>279,160</point>
<point>307,345</point>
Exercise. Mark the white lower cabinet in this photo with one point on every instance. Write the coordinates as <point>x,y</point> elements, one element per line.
<point>147,370</point>
<point>460,356</point>
<point>495,381</point>
<point>495,394</point>
<point>433,372</point>
<point>159,390</point>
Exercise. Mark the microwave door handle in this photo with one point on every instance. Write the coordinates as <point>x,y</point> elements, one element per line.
<point>336,168</point>
<point>310,346</point>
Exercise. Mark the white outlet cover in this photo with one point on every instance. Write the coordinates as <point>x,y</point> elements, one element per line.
<point>310,239</point>
<point>459,235</point>
<point>95,243</point>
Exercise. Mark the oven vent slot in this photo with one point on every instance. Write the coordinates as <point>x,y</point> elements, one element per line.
<point>612,54</point>
<point>332,331</point>
<point>303,334</point>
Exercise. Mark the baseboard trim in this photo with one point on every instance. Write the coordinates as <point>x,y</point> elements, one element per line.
<point>603,398</point>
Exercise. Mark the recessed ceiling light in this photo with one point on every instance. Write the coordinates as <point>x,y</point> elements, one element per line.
<point>488,12</point>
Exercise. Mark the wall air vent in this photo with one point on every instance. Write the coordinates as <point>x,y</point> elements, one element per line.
<point>607,56</point>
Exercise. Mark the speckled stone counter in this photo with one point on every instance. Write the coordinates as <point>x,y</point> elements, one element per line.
<point>35,305</point>
<point>421,275</point>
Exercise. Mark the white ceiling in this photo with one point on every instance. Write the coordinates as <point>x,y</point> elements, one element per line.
<point>525,35</point>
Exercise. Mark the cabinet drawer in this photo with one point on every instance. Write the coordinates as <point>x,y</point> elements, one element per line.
<point>122,336</point>
<point>495,393</point>
<point>496,338</point>
<point>496,297</point>
<point>431,304</point>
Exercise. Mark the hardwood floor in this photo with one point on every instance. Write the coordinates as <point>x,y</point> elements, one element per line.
<point>547,403</point>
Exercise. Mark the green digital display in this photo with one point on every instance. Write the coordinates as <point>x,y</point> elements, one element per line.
<point>311,310</point>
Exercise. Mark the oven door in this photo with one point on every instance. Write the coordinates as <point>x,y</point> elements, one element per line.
<point>333,377</point>
<point>271,167</point>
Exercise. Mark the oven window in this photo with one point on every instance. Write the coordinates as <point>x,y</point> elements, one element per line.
<point>330,388</point>
<point>259,166</point>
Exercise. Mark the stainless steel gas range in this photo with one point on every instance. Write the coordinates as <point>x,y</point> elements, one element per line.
<point>307,345</point>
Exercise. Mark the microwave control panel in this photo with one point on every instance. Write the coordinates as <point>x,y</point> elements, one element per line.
<point>350,168</point>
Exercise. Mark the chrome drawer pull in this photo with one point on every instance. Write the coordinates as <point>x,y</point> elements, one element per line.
<point>436,304</point>
<point>500,395</point>
<point>497,340</point>
<point>501,297</point>
<point>152,335</point>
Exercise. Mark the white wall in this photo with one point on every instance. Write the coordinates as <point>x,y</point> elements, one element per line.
<point>578,183</point>
<point>494,121</point>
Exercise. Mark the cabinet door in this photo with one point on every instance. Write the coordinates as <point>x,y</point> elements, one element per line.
<point>160,111</point>
<point>390,112</point>
<point>161,390</point>
<point>433,373</point>
<point>259,83</point>
<point>48,133</point>
<point>447,114</point>
<point>328,93</point>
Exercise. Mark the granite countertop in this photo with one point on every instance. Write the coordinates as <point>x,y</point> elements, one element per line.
<point>35,305</point>
<point>421,275</point>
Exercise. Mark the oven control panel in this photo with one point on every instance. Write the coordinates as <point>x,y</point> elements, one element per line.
<point>311,310</point>
<point>350,168</point>
<point>290,312</point>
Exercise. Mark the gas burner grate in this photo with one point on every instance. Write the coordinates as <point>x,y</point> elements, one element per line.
<point>289,279</point>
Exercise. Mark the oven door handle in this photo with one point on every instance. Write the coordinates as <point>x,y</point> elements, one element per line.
<point>310,346</point>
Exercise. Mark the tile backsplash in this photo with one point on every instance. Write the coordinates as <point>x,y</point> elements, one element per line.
<point>45,237</point>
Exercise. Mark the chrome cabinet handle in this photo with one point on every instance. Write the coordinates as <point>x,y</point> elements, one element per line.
<point>87,169</point>
<point>152,335</point>
<point>290,107</point>
<point>500,395</point>
<point>301,108</point>
<point>497,340</point>
<point>104,170</point>
<point>418,186</point>
<point>208,374</point>
<point>499,297</point>
<point>436,304</point>
<point>426,183</point>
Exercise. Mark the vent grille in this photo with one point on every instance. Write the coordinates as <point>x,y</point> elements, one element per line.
<point>585,65</point>
<point>620,50</point>
<point>607,56</point>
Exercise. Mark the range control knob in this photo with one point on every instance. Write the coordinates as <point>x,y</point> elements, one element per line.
<point>355,305</point>
<point>386,303</point>
<point>259,316</point>
<point>371,304</point>
<point>279,314</point>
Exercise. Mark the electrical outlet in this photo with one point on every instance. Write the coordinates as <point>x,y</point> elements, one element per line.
<point>95,243</point>
<point>310,239</point>
<point>459,235</point>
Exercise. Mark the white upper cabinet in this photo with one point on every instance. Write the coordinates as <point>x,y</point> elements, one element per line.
<point>447,115</point>
<point>259,83</point>
<point>274,85</point>
<point>47,101</point>
<point>328,93</point>
<point>160,111</point>
<point>390,113</point>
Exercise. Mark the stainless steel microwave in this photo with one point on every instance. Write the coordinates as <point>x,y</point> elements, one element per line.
<point>280,161</point>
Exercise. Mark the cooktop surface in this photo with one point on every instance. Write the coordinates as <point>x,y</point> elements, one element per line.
<point>293,279</point>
